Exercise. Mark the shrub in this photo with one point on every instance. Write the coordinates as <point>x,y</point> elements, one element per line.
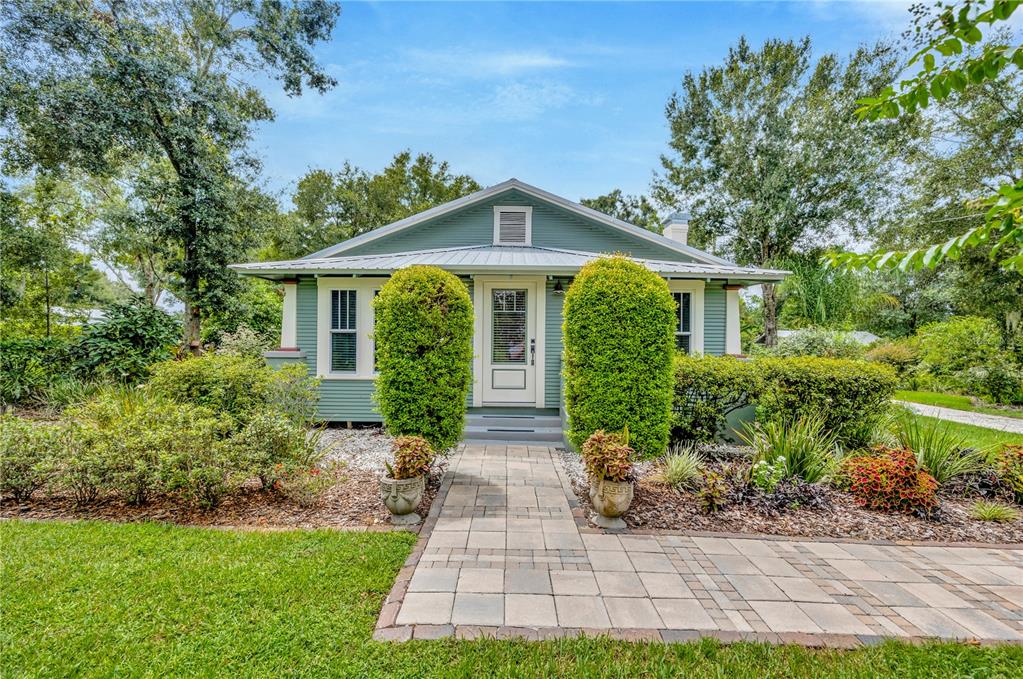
<point>899,356</point>
<point>959,343</point>
<point>818,342</point>
<point>889,479</point>
<point>423,336</point>
<point>305,485</point>
<point>203,467</point>
<point>807,449</point>
<point>245,342</point>
<point>68,391</point>
<point>707,389</point>
<point>129,338</point>
<point>712,494</point>
<point>999,380</point>
<point>985,510</point>
<point>236,386</point>
<point>28,367</point>
<point>681,467</point>
<point>413,456</point>
<point>939,450</point>
<point>619,320</point>
<point>27,455</point>
<point>842,393</point>
<point>767,475</point>
<point>1009,467</point>
<point>271,446</point>
<point>84,469</point>
<point>608,456</point>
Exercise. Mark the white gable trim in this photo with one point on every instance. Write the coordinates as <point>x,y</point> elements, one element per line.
<point>479,196</point>
<point>528,210</point>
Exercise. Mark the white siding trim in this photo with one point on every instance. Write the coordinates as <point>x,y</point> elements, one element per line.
<point>364,288</point>
<point>695,288</point>
<point>733,339</point>
<point>498,209</point>
<point>289,320</point>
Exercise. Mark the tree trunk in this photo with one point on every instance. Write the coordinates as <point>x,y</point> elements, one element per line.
<point>770,315</point>
<point>191,343</point>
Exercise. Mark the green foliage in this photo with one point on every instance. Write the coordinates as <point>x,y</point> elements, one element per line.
<point>958,343</point>
<point>244,342</point>
<point>129,338</point>
<point>707,389</point>
<point>682,467</point>
<point>29,367</point>
<point>237,386</point>
<point>28,455</point>
<point>608,456</point>
<point>767,475</point>
<point>939,450</point>
<point>1009,466</point>
<point>813,296</point>
<point>635,210</point>
<point>423,327</point>
<point>818,342</point>
<point>843,393</point>
<point>900,356</point>
<point>256,310</point>
<point>272,446</point>
<point>985,510</point>
<point>713,494</point>
<point>806,447</point>
<point>413,456</point>
<point>890,480</point>
<point>334,206</point>
<point>618,353</point>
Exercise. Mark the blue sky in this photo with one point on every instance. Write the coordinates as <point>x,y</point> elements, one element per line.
<point>568,96</point>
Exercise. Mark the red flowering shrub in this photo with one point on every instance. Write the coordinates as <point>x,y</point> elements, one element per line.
<point>890,479</point>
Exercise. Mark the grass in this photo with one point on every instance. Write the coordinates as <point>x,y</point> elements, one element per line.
<point>100,599</point>
<point>998,512</point>
<point>954,401</point>
<point>975,437</point>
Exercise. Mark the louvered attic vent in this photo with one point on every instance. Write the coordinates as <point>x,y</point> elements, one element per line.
<point>512,225</point>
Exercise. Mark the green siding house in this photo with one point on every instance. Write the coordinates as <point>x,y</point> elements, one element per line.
<point>517,248</point>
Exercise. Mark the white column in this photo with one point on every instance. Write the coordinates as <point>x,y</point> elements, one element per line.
<point>289,321</point>
<point>733,342</point>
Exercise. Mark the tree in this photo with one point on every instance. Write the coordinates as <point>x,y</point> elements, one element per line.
<point>334,206</point>
<point>157,79</point>
<point>767,157</point>
<point>950,73</point>
<point>636,210</point>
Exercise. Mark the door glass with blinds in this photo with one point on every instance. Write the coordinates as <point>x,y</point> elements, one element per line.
<point>508,344</point>
<point>684,321</point>
<point>512,227</point>
<point>343,337</point>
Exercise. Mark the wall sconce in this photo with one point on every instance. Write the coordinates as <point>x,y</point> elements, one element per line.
<point>559,289</point>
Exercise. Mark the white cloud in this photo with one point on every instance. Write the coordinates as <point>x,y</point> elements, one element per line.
<point>460,62</point>
<point>525,101</point>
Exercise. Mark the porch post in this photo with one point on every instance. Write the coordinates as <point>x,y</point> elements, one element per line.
<point>289,320</point>
<point>733,341</point>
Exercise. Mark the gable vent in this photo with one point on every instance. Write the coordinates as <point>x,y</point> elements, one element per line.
<point>512,226</point>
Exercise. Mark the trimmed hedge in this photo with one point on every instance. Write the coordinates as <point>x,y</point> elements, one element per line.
<point>846,394</point>
<point>619,320</point>
<point>707,389</point>
<point>423,336</point>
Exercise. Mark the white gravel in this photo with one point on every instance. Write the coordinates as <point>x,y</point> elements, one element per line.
<point>362,449</point>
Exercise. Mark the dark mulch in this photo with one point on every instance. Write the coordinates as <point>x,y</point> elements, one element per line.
<point>823,512</point>
<point>353,501</point>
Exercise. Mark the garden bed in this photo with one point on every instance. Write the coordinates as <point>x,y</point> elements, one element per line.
<point>353,500</point>
<point>659,507</point>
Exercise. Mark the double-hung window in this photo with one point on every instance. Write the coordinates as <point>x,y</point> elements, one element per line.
<point>684,321</point>
<point>343,336</point>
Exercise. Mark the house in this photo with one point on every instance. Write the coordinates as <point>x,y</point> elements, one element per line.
<point>517,248</point>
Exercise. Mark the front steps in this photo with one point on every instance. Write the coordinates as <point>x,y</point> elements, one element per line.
<point>518,425</point>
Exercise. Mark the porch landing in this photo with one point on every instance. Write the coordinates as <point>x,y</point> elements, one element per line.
<point>501,555</point>
<point>498,425</point>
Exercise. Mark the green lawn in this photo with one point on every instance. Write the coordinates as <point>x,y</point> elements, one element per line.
<point>97,599</point>
<point>932,398</point>
<point>977,437</point>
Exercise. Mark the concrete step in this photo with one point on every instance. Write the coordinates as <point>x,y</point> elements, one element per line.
<point>489,432</point>
<point>512,420</point>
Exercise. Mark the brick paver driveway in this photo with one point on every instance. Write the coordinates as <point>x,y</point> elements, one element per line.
<point>501,554</point>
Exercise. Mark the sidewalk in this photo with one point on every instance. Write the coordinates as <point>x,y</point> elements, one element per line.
<point>1009,424</point>
<point>504,557</point>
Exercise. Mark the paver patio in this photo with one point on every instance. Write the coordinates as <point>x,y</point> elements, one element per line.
<point>503,555</point>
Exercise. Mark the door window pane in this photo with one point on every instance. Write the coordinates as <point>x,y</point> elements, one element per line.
<point>509,326</point>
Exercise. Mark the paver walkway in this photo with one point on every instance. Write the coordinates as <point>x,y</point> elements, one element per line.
<point>1010,424</point>
<point>505,557</point>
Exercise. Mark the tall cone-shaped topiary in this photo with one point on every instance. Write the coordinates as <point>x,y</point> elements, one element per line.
<point>619,347</point>
<point>423,336</point>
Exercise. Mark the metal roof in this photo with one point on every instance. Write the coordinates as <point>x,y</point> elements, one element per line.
<point>493,259</point>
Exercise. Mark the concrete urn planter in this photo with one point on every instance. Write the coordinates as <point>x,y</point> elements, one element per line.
<point>611,499</point>
<point>401,497</point>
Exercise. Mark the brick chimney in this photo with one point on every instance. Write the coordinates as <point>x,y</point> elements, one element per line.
<point>676,227</point>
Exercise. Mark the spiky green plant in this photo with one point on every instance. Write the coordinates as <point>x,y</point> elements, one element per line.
<point>939,450</point>
<point>985,510</point>
<point>681,467</point>
<point>810,451</point>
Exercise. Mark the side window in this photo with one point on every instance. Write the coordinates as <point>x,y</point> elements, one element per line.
<point>684,326</point>
<point>343,337</point>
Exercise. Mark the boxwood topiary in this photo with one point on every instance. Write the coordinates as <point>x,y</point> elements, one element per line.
<point>619,345</point>
<point>423,335</point>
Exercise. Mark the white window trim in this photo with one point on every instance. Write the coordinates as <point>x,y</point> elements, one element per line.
<point>364,288</point>
<point>695,289</point>
<point>498,209</point>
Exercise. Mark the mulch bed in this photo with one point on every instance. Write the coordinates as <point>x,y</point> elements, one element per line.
<point>659,507</point>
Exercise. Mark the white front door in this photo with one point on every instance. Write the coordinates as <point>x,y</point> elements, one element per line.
<point>509,342</point>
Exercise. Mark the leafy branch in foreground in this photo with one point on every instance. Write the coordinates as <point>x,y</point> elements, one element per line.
<point>1002,222</point>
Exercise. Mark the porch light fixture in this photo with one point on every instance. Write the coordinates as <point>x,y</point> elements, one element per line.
<point>559,289</point>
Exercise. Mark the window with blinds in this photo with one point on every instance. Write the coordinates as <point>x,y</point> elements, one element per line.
<point>684,324</point>
<point>512,226</point>
<point>343,338</point>
<point>509,327</point>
